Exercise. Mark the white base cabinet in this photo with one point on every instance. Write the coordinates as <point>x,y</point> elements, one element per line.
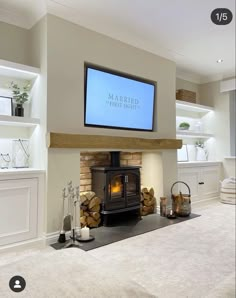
<point>202,178</point>
<point>20,207</point>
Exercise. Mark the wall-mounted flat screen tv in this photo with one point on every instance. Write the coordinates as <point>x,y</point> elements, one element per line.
<point>119,101</point>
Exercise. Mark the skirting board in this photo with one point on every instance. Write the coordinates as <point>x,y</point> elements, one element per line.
<point>206,200</point>
<point>37,242</point>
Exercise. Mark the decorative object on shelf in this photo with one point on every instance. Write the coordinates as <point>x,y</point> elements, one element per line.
<point>186,95</point>
<point>181,203</point>
<point>201,151</point>
<point>5,159</point>
<point>163,203</point>
<point>184,126</point>
<point>20,153</point>
<point>20,96</point>
<point>198,126</point>
<point>182,154</point>
<point>5,105</point>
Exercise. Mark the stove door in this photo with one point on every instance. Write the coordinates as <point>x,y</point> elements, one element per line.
<point>116,196</point>
<point>132,189</point>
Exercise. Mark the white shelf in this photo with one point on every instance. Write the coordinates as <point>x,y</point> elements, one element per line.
<point>18,121</point>
<point>193,134</point>
<point>16,70</point>
<point>192,107</point>
<point>196,163</point>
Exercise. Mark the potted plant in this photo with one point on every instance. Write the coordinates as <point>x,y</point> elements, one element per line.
<point>20,96</point>
<point>184,126</point>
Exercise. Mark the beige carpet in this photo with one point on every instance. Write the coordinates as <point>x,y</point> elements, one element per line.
<point>195,258</point>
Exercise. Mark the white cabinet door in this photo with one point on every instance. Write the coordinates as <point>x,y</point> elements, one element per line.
<point>191,177</point>
<point>211,179</point>
<point>202,180</point>
<point>18,210</point>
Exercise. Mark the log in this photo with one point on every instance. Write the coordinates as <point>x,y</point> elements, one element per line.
<point>147,209</point>
<point>149,202</point>
<point>96,208</point>
<point>90,195</point>
<point>83,198</point>
<point>86,202</point>
<point>151,191</point>
<point>83,221</point>
<point>95,215</point>
<point>91,222</point>
<point>95,201</point>
<point>83,207</point>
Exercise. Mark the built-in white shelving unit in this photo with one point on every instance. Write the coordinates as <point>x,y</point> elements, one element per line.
<point>13,127</point>
<point>18,121</point>
<point>192,107</point>
<point>16,70</point>
<point>193,114</point>
<point>199,137</point>
<point>193,134</point>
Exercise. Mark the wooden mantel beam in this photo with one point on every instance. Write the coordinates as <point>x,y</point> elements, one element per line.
<point>62,140</point>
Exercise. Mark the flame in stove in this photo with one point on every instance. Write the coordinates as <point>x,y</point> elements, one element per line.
<point>116,187</point>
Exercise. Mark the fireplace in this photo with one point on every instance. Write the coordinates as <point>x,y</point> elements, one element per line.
<point>117,186</point>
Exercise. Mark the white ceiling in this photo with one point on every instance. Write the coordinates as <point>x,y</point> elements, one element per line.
<point>180,30</point>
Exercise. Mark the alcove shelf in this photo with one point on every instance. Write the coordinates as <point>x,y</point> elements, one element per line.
<point>19,71</point>
<point>193,134</point>
<point>192,107</point>
<point>18,121</point>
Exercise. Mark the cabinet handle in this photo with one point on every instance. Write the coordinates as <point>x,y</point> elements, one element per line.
<point>200,182</point>
<point>126,179</point>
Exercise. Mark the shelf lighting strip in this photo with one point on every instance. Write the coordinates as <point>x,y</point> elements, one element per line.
<point>194,108</point>
<point>194,136</point>
<point>19,70</point>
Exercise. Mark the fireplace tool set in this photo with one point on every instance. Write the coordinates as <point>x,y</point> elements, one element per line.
<point>69,220</point>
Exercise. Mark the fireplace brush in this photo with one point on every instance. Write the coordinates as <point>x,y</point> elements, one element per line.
<point>66,219</point>
<point>73,203</point>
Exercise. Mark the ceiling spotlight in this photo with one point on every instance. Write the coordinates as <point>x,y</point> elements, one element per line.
<point>219,61</point>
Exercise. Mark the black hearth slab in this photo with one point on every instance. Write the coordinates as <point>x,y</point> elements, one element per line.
<point>134,227</point>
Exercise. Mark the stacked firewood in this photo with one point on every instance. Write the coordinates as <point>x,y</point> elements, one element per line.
<point>148,201</point>
<point>89,209</point>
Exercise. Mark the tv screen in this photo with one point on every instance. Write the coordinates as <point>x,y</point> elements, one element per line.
<point>114,100</point>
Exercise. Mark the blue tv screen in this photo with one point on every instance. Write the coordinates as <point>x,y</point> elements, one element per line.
<point>115,100</point>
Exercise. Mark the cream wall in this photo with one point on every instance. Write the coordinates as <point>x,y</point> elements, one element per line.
<point>60,48</point>
<point>69,46</point>
<point>219,122</point>
<point>14,43</point>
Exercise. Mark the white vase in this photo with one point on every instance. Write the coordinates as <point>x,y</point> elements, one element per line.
<point>200,154</point>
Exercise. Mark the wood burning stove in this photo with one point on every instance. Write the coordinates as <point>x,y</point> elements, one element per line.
<point>117,186</point>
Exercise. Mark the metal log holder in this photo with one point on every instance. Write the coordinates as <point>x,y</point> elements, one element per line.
<point>181,203</point>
